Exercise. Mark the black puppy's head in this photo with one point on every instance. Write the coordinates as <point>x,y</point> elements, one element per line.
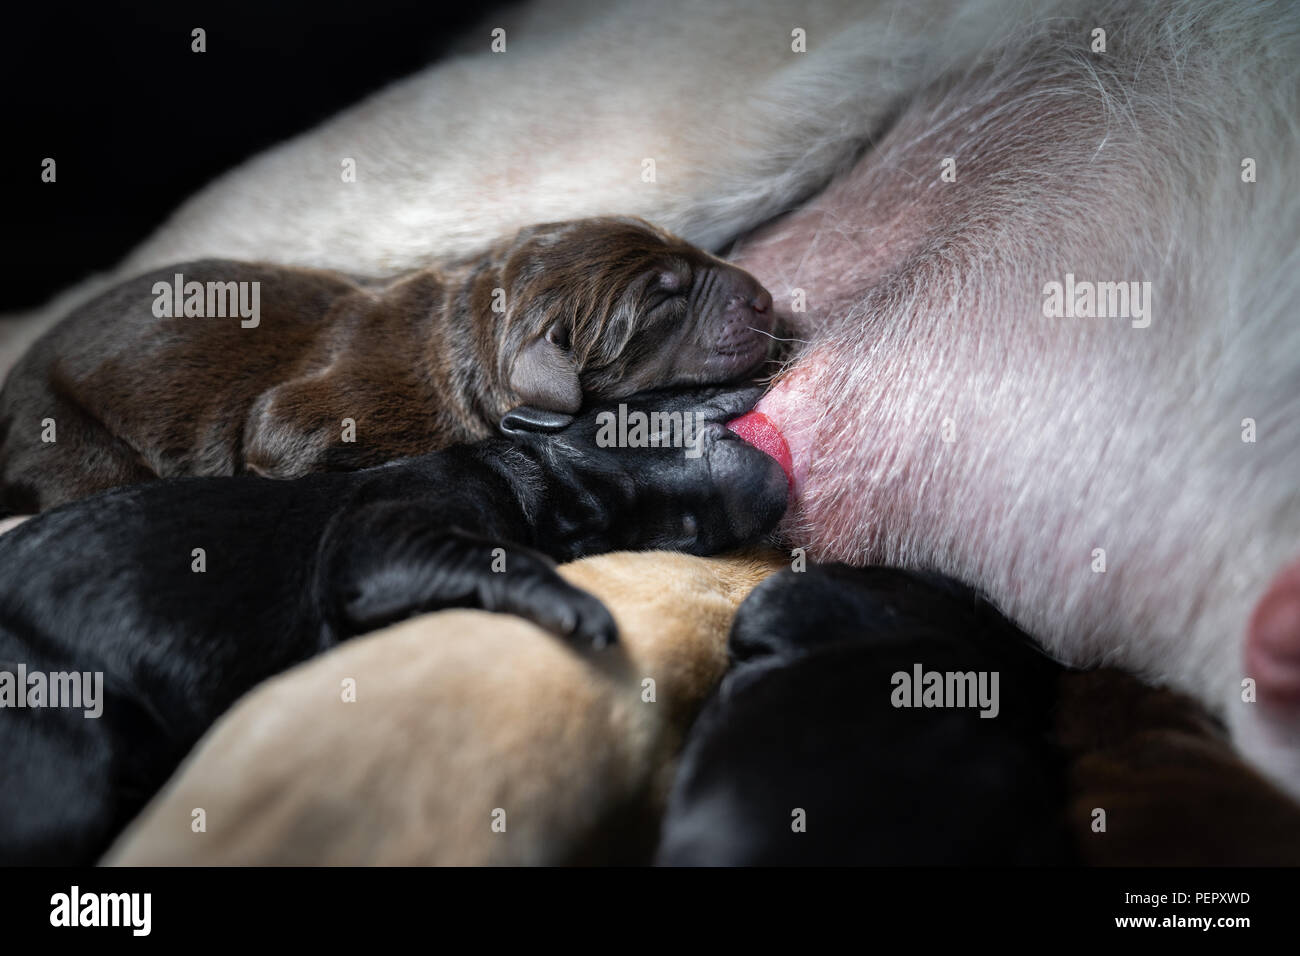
<point>659,470</point>
<point>609,307</point>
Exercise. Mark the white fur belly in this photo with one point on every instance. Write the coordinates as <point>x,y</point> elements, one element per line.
<point>941,420</point>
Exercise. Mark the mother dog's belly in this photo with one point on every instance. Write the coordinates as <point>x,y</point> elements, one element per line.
<point>940,419</point>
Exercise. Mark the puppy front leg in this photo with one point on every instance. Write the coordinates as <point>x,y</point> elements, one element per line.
<point>373,579</point>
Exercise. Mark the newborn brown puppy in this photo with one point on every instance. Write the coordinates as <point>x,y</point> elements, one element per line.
<point>239,367</point>
<point>463,719</point>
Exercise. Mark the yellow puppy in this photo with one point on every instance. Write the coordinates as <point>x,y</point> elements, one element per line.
<point>473,738</point>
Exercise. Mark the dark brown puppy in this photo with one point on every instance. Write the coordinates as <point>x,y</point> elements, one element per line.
<point>1173,790</point>
<point>288,371</point>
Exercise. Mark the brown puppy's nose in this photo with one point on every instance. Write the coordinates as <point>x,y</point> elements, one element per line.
<point>746,293</point>
<point>749,305</point>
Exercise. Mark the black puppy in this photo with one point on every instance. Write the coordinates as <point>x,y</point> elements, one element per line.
<point>117,584</point>
<point>813,751</point>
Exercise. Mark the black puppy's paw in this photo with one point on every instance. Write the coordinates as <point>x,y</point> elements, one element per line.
<point>396,572</point>
<point>538,594</point>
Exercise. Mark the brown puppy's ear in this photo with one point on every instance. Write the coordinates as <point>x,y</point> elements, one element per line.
<point>544,374</point>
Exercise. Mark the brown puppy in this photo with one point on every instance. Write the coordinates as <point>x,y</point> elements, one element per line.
<point>1174,790</point>
<point>462,719</point>
<point>239,367</point>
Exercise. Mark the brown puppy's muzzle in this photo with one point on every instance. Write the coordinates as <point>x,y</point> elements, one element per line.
<point>738,321</point>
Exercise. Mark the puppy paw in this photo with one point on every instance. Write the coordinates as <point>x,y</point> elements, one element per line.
<point>386,578</point>
<point>555,605</point>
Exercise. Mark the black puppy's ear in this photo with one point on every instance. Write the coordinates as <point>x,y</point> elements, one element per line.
<point>527,418</point>
<point>544,374</point>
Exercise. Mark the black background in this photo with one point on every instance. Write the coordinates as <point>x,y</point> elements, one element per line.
<point>136,122</point>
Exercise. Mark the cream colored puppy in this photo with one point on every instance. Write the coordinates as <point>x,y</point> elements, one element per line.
<point>473,738</point>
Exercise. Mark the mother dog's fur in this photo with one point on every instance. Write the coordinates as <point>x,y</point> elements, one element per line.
<point>458,155</point>
<point>1124,488</point>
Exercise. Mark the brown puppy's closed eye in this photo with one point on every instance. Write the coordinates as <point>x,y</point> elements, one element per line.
<point>238,367</point>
